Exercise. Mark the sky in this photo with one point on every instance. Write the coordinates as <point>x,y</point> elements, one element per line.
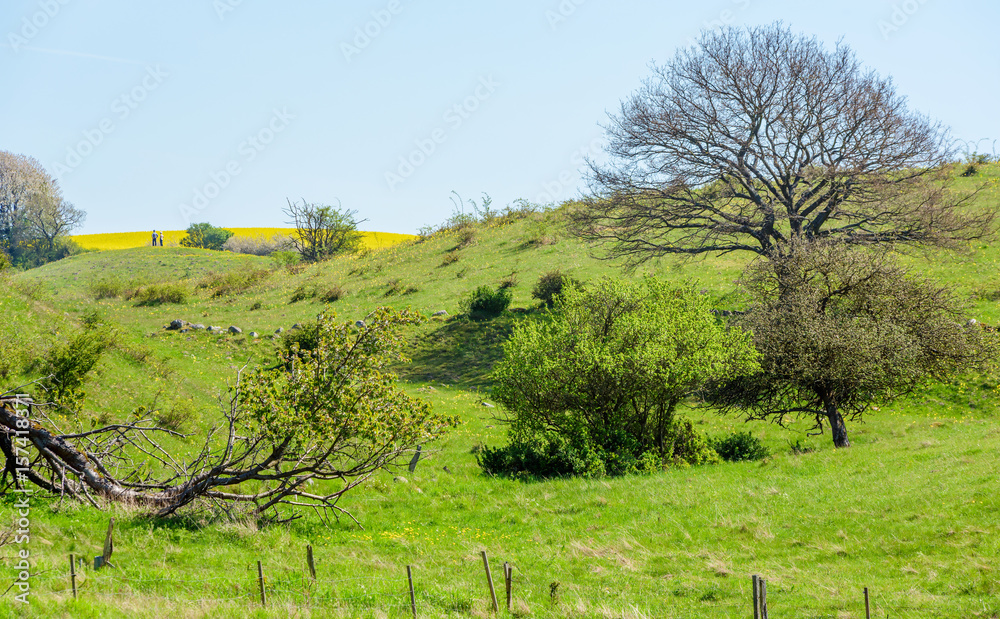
<point>154,114</point>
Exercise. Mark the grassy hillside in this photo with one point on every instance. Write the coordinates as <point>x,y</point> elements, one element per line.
<point>909,511</point>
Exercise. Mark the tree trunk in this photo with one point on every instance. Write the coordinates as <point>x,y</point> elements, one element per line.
<point>837,426</point>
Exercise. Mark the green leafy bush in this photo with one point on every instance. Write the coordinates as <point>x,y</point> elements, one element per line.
<point>606,371</point>
<point>740,446</point>
<point>550,285</point>
<point>66,366</point>
<point>233,282</point>
<point>158,294</point>
<point>206,236</point>
<point>486,302</point>
<point>301,340</point>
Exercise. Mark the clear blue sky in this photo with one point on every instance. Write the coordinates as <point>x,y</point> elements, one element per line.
<point>138,105</point>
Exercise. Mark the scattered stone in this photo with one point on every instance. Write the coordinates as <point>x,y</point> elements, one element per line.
<point>279,330</point>
<point>488,405</point>
<point>360,324</point>
<point>296,326</point>
<point>440,313</point>
<point>198,326</point>
<point>400,480</point>
<point>176,324</point>
<point>235,330</point>
<point>185,330</point>
<point>446,469</point>
<point>972,322</point>
<point>254,334</point>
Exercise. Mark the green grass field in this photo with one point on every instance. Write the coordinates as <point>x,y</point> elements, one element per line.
<point>909,511</point>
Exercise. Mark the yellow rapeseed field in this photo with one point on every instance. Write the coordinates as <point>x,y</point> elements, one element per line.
<point>172,238</point>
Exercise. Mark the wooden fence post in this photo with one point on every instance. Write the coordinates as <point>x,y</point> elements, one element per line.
<point>260,584</point>
<point>413,598</point>
<point>763,598</point>
<point>508,574</point>
<point>72,574</point>
<point>868,608</point>
<point>309,560</point>
<point>756,596</point>
<point>489,580</point>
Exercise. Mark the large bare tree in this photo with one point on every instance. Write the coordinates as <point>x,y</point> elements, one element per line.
<point>756,136</point>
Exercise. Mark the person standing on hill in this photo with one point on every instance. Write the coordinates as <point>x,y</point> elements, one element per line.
<point>154,238</point>
<point>161,238</point>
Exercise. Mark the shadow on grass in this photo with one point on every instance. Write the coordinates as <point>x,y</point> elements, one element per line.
<point>460,352</point>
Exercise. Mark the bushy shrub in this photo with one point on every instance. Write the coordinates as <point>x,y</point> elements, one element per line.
<point>302,293</point>
<point>450,258</point>
<point>286,258</point>
<point>397,286</point>
<point>66,366</point>
<point>303,339</point>
<point>550,285</point>
<point>332,294</point>
<point>486,302</point>
<point>259,245</point>
<point>740,446</point>
<point>550,454</point>
<point>233,282</point>
<point>158,294</point>
<point>206,236</point>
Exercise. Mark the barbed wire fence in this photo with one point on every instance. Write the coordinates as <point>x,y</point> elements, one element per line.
<point>257,585</point>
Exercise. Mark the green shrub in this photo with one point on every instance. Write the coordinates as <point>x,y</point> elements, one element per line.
<point>303,339</point>
<point>302,293</point>
<point>396,286</point>
<point>66,366</point>
<point>332,294</point>
<point>233,282</point>
<point>450,258</point>
<point>158,294</point>
<point>739,447</point>
<point>550,285</point>
<point>286,258</point>
<point>486,302</point>
<point>206,236</point>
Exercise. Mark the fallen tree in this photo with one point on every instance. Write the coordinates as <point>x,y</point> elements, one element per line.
<point>298,435</point>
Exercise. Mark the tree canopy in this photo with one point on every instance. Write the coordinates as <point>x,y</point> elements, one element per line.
<point>322,231</point>
<point>841,329</point>
<point>757,136</point>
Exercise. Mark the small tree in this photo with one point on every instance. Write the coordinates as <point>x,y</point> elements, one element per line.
<point>607,372</point>
<point>206,236</point>
<point>322,231</point>
<point>841,329</point>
